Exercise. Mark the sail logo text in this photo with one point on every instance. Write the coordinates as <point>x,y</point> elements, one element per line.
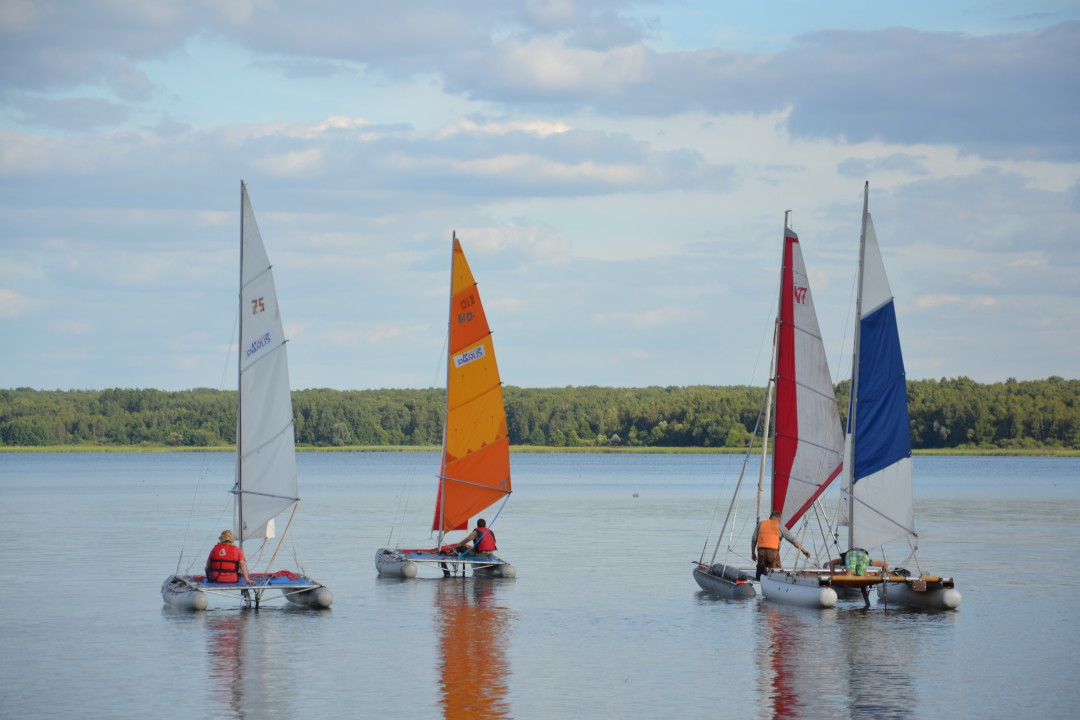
<point>258,345</point>
<point>468,356</point>
<point>800,295</point>
<point>465,317</point>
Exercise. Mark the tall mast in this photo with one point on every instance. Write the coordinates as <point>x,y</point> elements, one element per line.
<point>446,414</point>
<point>239,385</point>
<point>772,376</point>
<point>853,401</point>
<point>768,413</point>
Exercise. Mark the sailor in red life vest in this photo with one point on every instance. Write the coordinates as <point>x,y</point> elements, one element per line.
<point>226,562</point>
<point>483,539</point>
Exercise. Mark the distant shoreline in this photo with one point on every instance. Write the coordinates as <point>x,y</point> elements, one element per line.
<point>985,452</point>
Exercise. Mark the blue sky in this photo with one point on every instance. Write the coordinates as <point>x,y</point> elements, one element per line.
<point>617,172</point>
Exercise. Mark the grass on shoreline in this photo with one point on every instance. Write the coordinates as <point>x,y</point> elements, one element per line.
<point>985,452</point>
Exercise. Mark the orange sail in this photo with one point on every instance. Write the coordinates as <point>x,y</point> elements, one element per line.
<point>475,470</point>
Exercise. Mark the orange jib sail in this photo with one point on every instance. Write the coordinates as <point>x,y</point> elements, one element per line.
<point>476,451</point>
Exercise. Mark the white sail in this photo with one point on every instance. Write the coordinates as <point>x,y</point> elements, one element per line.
<point>809,440</point>
<point>266,452</point>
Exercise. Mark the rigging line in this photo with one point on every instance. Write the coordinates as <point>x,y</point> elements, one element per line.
<point>283,534</point>
<point>770,329</point>
<point>824,526</point>
<point>497,513</point>
<point>204,469</point>
<point>882,549</point>
<point>769,325</point>
<point>852,294</point>
<point>879,513</point>
<point>915,557</point>
<point>732,511</point>
<point>404,499</point>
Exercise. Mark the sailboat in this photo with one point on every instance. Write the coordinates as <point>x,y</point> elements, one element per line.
<point>266,482</point>
<point>722,578</point>
<point>474,473</point>
<point>807,438</point>
<point>877,501</point>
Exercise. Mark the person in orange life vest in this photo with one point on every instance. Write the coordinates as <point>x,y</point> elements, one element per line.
<point>482,538</point>
<point>226,562</point>
<point>765,544</point>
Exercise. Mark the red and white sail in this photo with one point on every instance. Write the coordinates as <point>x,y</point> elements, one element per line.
<point>808,444</point>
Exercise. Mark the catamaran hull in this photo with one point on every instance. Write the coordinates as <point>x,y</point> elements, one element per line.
<point>317,598</point>
<point>190,593</point>
<point>406,564</point>
<point>501,570</point>
<point>391,563</point>
<point>178,593</point>
<point>928,594</point>
<point>795,589</point>
<point>725,581</point>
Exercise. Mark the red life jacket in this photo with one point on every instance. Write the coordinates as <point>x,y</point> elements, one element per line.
<point>486,543</point>
<point>223,565</point>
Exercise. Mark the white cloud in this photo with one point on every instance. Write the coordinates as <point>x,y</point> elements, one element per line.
<point>538,127</point>
<point>12,304</point>
<point>644,319</point>
<point>618,174</point>
<point>75,327</point>
<point>391,333</point>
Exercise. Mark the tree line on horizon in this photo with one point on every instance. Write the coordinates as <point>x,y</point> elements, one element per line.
<point>956,413</point>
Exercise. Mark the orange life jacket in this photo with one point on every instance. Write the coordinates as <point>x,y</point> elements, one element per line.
<point>768,534</point>
<point>223,565</point>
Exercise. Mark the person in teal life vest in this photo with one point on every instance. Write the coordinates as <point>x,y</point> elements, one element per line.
<point>483,541</point>
<point>227,563</point>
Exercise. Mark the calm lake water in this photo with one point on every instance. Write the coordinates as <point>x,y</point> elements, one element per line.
<point>603,621</point>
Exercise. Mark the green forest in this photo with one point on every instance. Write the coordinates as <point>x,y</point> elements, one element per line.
<point>946,414</point>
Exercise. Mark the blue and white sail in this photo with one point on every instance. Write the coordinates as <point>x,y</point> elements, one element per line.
<point>877,502</point>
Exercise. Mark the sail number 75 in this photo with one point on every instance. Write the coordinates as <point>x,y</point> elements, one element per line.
<point>257,306</point>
